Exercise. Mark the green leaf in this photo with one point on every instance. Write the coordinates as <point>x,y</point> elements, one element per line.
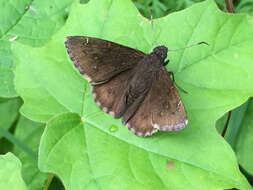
<point>245,7</point>
<point>31,22</point>
<point>217,78</point>
<point>221,122</point>
<point>164,7</point>
<point>85,157</point>
<point>10,173</point>
<point>235,122</point>
<point>6,70</point>
<point>244,143</point>
<point>29,133</point>
<point>5,146</point>
<point>9,110</point>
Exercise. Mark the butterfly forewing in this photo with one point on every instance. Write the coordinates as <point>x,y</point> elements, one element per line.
<point>100,60</point>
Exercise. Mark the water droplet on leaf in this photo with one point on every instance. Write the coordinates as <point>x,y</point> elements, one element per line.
<point>113,128</point>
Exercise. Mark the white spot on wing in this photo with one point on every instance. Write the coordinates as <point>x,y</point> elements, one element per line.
<point>86,41</point>
<point>98,103</point>
<point>105,109</point>
<point>87,77</point>
<point>139,133</point>
<point>171,127</point>
<point>112,113</point>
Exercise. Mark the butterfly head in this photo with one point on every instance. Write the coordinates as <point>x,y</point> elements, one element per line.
<point>161,52</point>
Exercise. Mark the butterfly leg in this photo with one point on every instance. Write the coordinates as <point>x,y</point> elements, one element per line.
<point>173,78</point>
<point>166,62</point>
<point>133,108</point>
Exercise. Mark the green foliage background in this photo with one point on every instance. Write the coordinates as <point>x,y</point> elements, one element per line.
<point>62,131</point>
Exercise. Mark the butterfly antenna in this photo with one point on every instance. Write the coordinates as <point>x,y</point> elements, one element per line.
<point>151,18</point>
<point>152,26</point>
<point>199,43</point>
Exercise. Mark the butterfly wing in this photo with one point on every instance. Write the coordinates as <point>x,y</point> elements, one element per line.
<point>162,109</point>
<point>100,60</point>
<point>141,122</point>
<point>110,96</point>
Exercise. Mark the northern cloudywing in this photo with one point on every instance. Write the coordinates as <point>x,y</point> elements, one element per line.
<point>126,82</point>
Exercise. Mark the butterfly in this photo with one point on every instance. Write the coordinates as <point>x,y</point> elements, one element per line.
<point>128,83</point>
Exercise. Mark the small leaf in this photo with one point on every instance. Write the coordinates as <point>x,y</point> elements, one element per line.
<point>29,133</point>
<point>245,7</point>
<point>10,173</point>
<point>235,123</point>
<point>244,143</point>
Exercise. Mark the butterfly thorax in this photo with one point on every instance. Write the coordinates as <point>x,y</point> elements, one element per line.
<point>143,76</point>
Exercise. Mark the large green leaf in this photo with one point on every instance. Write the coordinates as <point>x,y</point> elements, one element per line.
<point>10,173</point>
<point>31,22</point>
<point>85,157</point>
<point>217,78</point>
<point>29,133</point>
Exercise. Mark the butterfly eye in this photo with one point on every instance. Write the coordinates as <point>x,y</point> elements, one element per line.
<point>161,51</point>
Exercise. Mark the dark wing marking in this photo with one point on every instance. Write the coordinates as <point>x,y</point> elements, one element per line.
<point>99,60</point>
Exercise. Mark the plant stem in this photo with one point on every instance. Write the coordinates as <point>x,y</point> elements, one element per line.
<point>18,143</point>
<point>229,6</point>
<point>226,124</point>
<point>48,182</point>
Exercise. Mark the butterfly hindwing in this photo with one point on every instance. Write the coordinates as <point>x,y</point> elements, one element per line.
<point>110,96</point>
<point>140,123</point>
<point>100,60</point>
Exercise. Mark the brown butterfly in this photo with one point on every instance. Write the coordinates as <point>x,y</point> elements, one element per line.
<point>126,82</point>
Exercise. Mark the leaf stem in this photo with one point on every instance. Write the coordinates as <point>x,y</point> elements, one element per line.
<point>18,143</point>
<point>48,182</point>
<point>229,6</point>
<point>226,124</point>
<point>247,175</point>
